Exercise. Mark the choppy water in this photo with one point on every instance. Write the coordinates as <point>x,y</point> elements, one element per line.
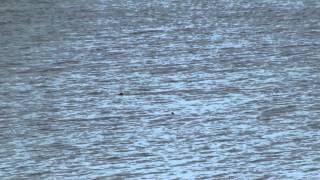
<point>241,77</point>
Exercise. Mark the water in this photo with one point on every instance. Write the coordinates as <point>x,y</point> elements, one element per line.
<point>212,89</point>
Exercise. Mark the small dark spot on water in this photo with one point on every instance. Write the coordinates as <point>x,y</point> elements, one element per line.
<point>121,94</point>
<point>172,113</point>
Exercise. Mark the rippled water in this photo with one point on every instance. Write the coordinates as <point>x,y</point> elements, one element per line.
<point>211,89</point>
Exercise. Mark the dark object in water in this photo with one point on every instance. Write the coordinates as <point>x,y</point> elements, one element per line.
<point>121,94</point>
<point>172,113</point>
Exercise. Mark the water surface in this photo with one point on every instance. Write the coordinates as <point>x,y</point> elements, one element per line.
<point>212,89</point>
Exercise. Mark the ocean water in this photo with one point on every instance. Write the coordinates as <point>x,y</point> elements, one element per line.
<point>212,89</point>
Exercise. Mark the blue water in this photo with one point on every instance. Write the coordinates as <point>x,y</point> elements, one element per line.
<point>211,89</point>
